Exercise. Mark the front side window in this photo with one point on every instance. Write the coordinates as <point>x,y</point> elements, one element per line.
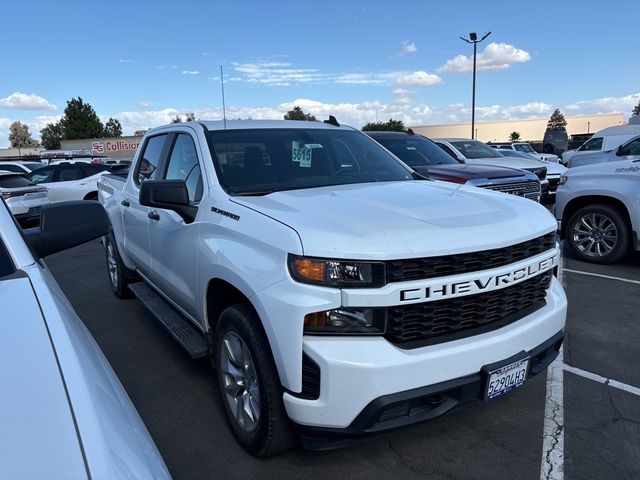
<point>631,148</point>
<point>42,175</point>
<point>524,147</point>
<point>184,165</point>
<point>592,144</point>
<point>475,149</point>
<point>261,161</point>
<point>415,151</point>
<point>71,173</point>
<point>150,159</point>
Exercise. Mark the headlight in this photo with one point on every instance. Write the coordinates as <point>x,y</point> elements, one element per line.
<point>345,321</point>
<point>337,273</point>
<point>563,179</point>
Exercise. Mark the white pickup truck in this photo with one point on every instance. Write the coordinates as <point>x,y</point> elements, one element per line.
<point>336,294</point>
<point>598,207</point>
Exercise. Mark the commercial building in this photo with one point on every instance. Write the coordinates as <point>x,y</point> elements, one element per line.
<point>115,147</point>
<point>530,130</point>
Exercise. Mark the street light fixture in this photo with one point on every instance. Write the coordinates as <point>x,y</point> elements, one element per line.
<point>473,38</point>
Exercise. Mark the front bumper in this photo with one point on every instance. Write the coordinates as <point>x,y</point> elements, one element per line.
<point>357,371</point>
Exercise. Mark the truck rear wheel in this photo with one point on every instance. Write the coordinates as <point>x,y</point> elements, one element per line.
<point>119,274</point>
<point>249,384</point>
<point>598,233</point>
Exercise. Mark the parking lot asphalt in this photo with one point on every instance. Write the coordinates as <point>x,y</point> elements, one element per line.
<point>178,400</point>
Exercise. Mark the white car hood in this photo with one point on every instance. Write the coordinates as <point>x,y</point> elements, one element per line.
<point>403,219</point>
<point>38,438</point>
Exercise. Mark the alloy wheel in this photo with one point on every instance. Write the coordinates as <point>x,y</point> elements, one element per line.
<point>595,235</point>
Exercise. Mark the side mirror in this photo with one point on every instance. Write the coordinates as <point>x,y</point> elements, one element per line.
<point>67,224</point>
<point>169,195</point>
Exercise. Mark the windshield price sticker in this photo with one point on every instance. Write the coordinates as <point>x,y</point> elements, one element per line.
<point>507,378</point>
<point>301,152</point>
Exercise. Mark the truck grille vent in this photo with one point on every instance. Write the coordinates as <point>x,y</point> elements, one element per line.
<point>529,190</point>
<point>432,267</point>
<point>310,379</point>
<point>417,325</point>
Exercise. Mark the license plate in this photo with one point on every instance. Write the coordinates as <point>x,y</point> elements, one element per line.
<point>506,378</point>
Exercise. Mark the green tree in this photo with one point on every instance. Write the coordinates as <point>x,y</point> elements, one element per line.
<point>298,114</point>
<point>80,121</point>
<point>112,128</point>
<point>190,117</point>
<point>514,137</point>
<point>636,110</point>
<point>178,119</point>
<point>557,121</point>
<point>390,126</point>
<point>20,137</point>
<point>51,135</point>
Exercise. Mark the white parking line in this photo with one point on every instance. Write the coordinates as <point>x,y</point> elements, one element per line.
<point>600,379</point>
<point>552,465</point>
<point>609,277</point>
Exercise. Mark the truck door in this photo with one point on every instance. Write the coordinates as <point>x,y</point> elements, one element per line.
<point>173,241</point>
<point>135,217</point>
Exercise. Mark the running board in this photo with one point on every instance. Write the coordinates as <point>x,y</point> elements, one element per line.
<point>179,327</point>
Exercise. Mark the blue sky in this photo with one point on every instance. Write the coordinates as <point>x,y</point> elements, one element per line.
<point>143,62</point>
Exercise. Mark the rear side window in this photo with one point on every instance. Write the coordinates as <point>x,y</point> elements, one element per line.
<point>150,160</point>
<point>183,165</point>
<point>14,181</point>
<point>592,144</point>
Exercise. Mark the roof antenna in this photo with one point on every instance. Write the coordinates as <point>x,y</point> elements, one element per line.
<point>332,121</point>
<point>224,109</point>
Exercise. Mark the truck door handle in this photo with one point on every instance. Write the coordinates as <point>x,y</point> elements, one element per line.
<point>125,203</point>
<point>153,215</point>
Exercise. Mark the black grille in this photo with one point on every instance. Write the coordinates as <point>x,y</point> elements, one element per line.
<point>310,379</point>
<point>432,267</point>
<point>529,190</point>
<point>553,184</point>
<point>410,326</point>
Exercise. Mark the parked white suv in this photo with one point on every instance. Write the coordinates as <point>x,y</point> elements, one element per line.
<point>69,181</point>
<point>525,147</point>
<point>598,207</point>
<point>333,288</point>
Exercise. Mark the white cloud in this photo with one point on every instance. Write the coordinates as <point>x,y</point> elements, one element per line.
<point>191,72</point>
<point>402,91</point>
<point>276,73</point>
<point>604,105</point>
<point>408,48</point>
<point>23,101</point>
<point>127,60</point>
<point>366,78</point>
<point>418,79</point>
<point>206,54</point>
<point>497,56</point>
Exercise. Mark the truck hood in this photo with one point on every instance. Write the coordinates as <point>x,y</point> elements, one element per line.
<point>467,172</point>
<point>392,220</point>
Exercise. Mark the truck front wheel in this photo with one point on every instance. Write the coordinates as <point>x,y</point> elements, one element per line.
<point>119,274</point>
<point>249,384</point>
<point>598,233</point>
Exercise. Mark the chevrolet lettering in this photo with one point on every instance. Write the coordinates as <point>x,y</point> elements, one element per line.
<point>472,286</point>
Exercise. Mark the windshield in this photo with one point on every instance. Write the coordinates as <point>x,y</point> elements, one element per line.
<point>475,149</point>
<point>524,147</point>
<point>415,150</point>
<point>512,153</point>
<point>261,161</point>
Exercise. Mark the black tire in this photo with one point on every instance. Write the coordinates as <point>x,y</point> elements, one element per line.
<point>270,431</point>
<point>607,221</point>
<point>119,275</point>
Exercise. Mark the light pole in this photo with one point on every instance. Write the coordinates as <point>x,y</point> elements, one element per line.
<point>473,38</point>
